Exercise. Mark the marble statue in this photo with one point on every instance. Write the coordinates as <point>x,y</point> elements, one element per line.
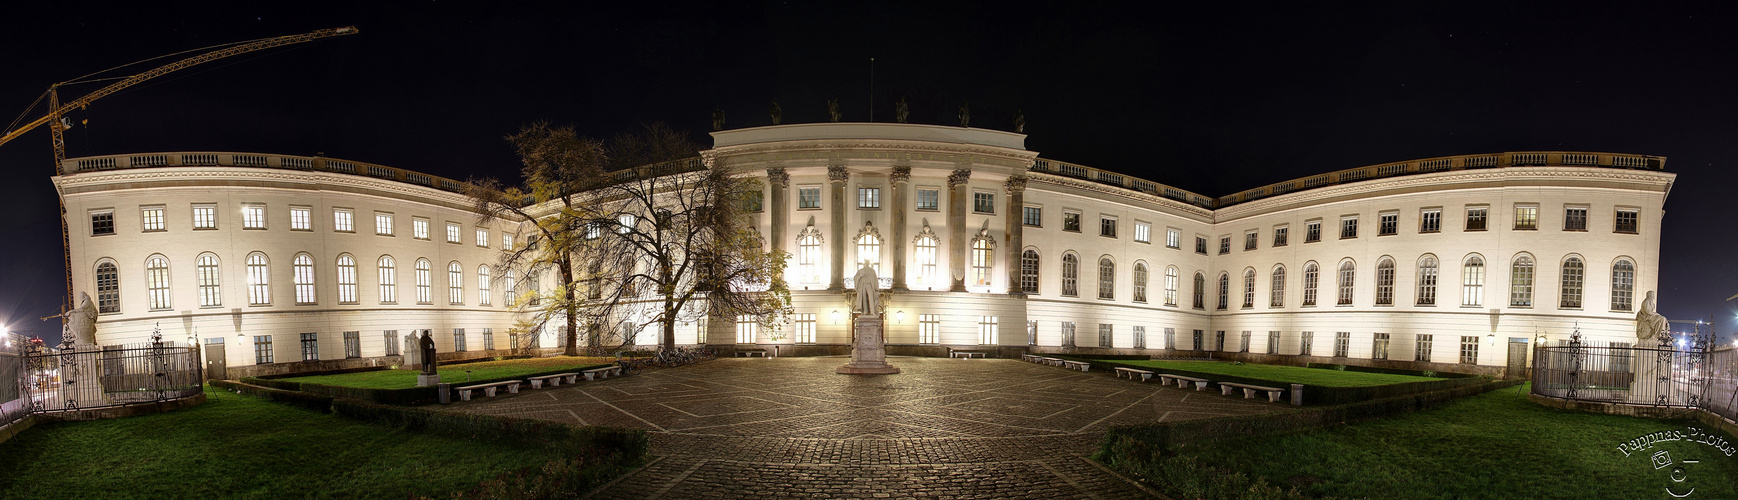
<point>1649,324</point>
<point>868,292</point>
<point>81,321</point>
<point>427,346</point>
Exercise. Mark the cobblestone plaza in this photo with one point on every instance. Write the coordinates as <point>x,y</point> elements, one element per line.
<point>944,428</point>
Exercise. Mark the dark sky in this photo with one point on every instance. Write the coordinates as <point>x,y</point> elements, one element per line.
<point>1209,99</point>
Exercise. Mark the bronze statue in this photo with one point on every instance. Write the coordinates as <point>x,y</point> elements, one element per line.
<point>833,110</point>
<point>1019,121</point>
<point>717,119</point>
<point>778,113</point>
<point>966,115</point>
<point>901,111</point>
<point>427,346</point>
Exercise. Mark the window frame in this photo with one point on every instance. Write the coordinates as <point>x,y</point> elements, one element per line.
<point>301,218</point>
<point>1429,220</point>
<point>934,198</point>
<point>1634,220</point>
<point>254,217</point>
<point>102,218</point>
<point>383,224</point>
<point>343,220</point>
<point>419,228</point>
<point>1388,223</point>
<point>1348,227</point>
<point>983,202</point>
<point>1526,217</point>
<point>1479,213</point>
<point>1281,235</point>
<point>868,197</point>
<point>1071,220</point>
<point>146,218</point>
<point>1032,215</point>
<point>1313,231</point>
<point>211,212</point>
<point>1143,232</point>
<point>1107,226</point>
<point>1569,217</point>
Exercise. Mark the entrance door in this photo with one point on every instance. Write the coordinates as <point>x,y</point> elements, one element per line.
<point>1517,358</point>
<point>215,366</point>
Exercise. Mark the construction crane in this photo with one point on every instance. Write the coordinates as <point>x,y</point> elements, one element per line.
<point>56,110</point>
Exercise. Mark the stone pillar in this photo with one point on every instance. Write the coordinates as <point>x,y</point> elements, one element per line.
<point>957,197</point>
<point>1016,230</point>
<point>901,180</point>
<point>779,182</point>
<point>836,177</point>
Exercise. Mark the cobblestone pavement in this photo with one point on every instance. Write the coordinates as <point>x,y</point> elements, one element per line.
<point>944,428</point>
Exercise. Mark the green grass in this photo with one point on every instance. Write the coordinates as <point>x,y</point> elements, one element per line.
<point>1494,445</point>
<point>1288,374</point>
<point>405,379</point>
<point>237,446</point>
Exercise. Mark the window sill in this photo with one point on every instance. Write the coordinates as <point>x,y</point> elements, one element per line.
<point>1473,231</point>
<point>975,212</point>
<point>869,208</point>
<point>1386,234</point>
<point>1277,245</point>
<point>1032,225</point>
<point>1625,232</point>
<point>920,209</point>
<point>302,230</point>
<point>1526,229</point>
<point>1567,230</point>
<point>205,229</point>
<point>1348,237</point>
<point>807,208</point>
<point>343,231</point>
<point>1173,247</point>
<point>1421,231</point>
<point>1144,242</point>
<point>382,234</point>
<point>153,231</point>
<point>1425,305</point>
<point>253,229</point>
<point>1111,236</point>
<point>1312,241</point>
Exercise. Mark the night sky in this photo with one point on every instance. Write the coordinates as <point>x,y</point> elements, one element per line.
<point>1213,101</point>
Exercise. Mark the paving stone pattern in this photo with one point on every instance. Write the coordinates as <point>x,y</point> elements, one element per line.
<point>944,428</point>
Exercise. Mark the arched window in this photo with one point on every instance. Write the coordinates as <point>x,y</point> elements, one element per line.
<point>210,280</point>
<point>1200,291</point>
<point>303,265</point>
<point>346,279</point>
<point>157,281</point>
<point>1224,291</point>
<point>1427,280</point>
<point>455,283</point>
<point>108,288</point>
<point>1312,275</point>
<point>808,256</point>
<point>1348,272</point>
<point>1574,274</point>
<point>983,257</point>
<point>259,280</point>
<point>1070,275</point>
<point>1140,282</point>
<point>1171,286</point>
<point>1521,282</point>
<point>483,298</point>
<point>926,245</point>
<point>388,280</point>
<point>1472,281</point>
<point>1276,295</point>
<point>1106,278</point>
<point>868,252</point>
<point>1622,285</point>
<point>1029,271</point>
<point>1385,282</point>
<point>510,287</point>
<point>423,294</point>
<point>1249,287</point>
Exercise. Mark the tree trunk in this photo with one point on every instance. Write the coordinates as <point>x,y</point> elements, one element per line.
<point>572,330</point>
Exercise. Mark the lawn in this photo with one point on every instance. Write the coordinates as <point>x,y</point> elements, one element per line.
<point>404,379</point>
<point>237,446</point>
<point>1288,374</point>
<point>1494,445</point>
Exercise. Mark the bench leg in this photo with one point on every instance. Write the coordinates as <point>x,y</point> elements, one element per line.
<point>537,384</point>
<point>489,391</point>
<point>555,382</point>
<point>513,388</point>
<point>588,377</point>
<point>1200,386</point>
<point>465,395</point>
<point>1248,393</point>
<point>1273,396</point>
<point>1146,376</point>
<point>1225,390</point>
<point>572,379</point>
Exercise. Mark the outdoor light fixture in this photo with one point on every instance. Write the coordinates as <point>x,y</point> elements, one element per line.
<point>835,316</point>
<point>899,317</point>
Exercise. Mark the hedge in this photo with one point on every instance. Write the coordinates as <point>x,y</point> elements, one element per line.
<point>1313,394</point>
<point>310,401</point>
<point>407,396</point>
<point>325,372</point>
<point>1390,371</point>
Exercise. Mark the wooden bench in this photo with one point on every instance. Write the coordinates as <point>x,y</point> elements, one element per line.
<point>488,389</point>
<point>751,352</point>
<point>1250,390</point>
<point>1072,364</point>
<point>604,372</point>
<point>554,380</point>
<point>1145,374</point>
<point>1182,381</point>
<point>965,354</point>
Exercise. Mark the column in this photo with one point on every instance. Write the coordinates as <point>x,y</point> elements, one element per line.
<point>901,180</point>
<point>957,194</point>
<point>779,182</point>
<point>1016,229</point>
<point>836,177</point>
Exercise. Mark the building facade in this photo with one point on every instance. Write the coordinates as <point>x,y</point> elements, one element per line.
<point>1442,263</point>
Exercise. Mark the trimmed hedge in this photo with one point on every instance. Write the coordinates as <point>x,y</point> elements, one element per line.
<point>310,401</point>
<point>1390,371</point>
<point>482,359</point>
<point>407,396</point>
<point>325,372</point>
<point>1313,394</point>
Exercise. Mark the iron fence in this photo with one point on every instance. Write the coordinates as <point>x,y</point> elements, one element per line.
<point>83,377</point>
<point>1655,375</point>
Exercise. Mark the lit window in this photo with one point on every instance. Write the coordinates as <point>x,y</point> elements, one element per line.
<point>1574,274</point>
<point>423,294</point>
<point>259,280</point>
<point>1379,347</point>
<point>453,235</point>
<point>809,256</point>
<point>1173,238</point>
<point>808,197</point>
<point>626,223</point>
<point>510,289</point>
<point>1070,275</point>
<point>152,218</point>
<point>157,279</point>
<point>205,216</point>
<point>1029,271</point>
<point>262,349</point>
<point>483,297</point>
<point>1475,218</point>
<point>983,258</point>
<point>253,217</point>
<point>1276,293</point>
<point>1311,277</point>
<point>927,199</point>
<point>868,197</point>
<point>301,219</point>
<point>507,241</point>
<point>346,279</point>
<point>1430,220</point>
<point>869,253</point>
<point>1427,280</point>
<point>1248,288</point>
<point>1526,217</point>
<point>1171,286</point>
<point>1032,216</point>
<point>1385,282</point>
<point>805,333</point>
<point>1472,279</point>
<point>483,237</point>
<point>927,251</point>
<point>455,283</point>
<point>1071,222</point>
<point>1521,282</point>
<point>1387,224</point>
<point>1140,282</point>
<point>343,220</point>
<point>929,329</point>
<point>419,228</point>
<point>983,202</point>
<point>388,280</point>
<point>1627,221</point>
<point>1622,286</point>
<point>303,267</point>
<point>210,281</point>
<point>1575,219</point>
<point>747,329</point>
<point>383,224</point>
<point>108,288</point>
<point>1106,278</point>
<point>987,330</point>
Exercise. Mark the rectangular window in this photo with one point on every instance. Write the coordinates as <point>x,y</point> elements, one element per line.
<point>1067,334</point>
<point>391,341</point>
<point>1106,335</point>
<point>868,197</point>
<point>383,224</point>
<point>754,201</point>
<point>1219,340</point>
<point>459,344</point>
<point>1273,342</point>
<point>1469,350</point>
<point>1575,219</point>
<point>1342,343</point>
<point>929,329</point>
<point>1031,333</point>
<point>1140,337</point>
<point>1243,346</point>
<point>987,330</point>
<point>310,347</point>
<point>205,216</point>
<point>483,237</point>
<point>1143,232</point>
<point>1526,217</point>
<point>1430,220</point>
<point>747,329</point>
<point>488,339</point>
<point>253,216</point>
<point>1312,231</point>
<point>262,349</point>
<point>1201,245</point>
<point>1280,235</point>
<point>1224,245</point>
<point>1475,218</point>
<point>1173,238</point>
<point>1421,348</point>
<point>1197,345</point>
<point>453,235</point>
<point>983,202</point>
<point>419,228</point>
<point>1348,227</point>
<point>1071,222</point>
<point>1170,338</point>
<point>352,344</point>
<point>805,333</point>
<point>1249,240</point>
<point>1032,216</point>
<point>1379,347</point>
<point>1388,224</point>
<point>301,218</point>
<point>102,222</point>
<point>343,220</point>
<point>1628,221</point>
<point>1306,343</point>
<point>507,241</point>
<point>152,218</point>
<point>928,199</point>
<point>808,197</point>
<point>1107,226</point>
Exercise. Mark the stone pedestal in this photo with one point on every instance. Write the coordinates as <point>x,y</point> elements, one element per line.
<point>427,380</point>
<point>869,354</point>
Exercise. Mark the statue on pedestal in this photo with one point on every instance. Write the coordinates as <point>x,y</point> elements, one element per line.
<point>81,322</point>
<point>427,346</point>
<point>868,291</point>
<point>1649,324</point>
<point>869,352</point>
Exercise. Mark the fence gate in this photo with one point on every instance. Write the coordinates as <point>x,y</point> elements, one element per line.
<point>215,366</point>
<point>1517,358</point>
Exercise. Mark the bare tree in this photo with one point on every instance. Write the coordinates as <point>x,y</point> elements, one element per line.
<point>559,166</point>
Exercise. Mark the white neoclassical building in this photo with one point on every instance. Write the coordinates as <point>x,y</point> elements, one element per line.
<point>1451,264</point>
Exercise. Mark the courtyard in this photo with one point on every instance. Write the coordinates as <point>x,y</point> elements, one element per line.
<point>980,428</point>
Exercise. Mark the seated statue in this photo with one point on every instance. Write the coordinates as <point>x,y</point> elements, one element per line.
<point>1649,324</point>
